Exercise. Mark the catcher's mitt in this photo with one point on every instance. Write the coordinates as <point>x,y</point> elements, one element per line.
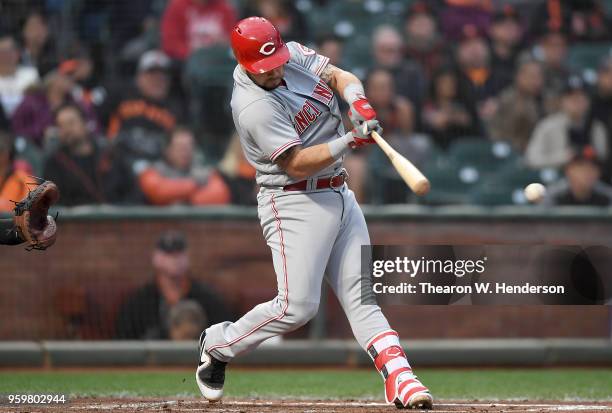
<point>31,220</point>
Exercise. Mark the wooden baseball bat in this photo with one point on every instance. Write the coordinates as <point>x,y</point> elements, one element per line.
<point>417,182</point>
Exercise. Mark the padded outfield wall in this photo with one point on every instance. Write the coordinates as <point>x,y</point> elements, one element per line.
<point>72,291</point>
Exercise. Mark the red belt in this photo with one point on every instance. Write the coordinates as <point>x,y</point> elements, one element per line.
<point>335,181</point>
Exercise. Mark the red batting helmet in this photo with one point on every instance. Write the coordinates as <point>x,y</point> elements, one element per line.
<point>258,46</point>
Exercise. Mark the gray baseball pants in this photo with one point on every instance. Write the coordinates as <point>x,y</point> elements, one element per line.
<point>312,235</point>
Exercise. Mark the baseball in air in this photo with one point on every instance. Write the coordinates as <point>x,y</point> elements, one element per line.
<point>535,192</point>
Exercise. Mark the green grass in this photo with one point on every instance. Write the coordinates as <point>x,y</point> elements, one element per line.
<point>532,384</point>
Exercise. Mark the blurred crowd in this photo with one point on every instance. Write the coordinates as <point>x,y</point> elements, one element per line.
<point>127,102</point>
<point>172,304</point>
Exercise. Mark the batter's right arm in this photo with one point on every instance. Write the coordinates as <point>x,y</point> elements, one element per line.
<point>271,130</point>
<point>300,162</point>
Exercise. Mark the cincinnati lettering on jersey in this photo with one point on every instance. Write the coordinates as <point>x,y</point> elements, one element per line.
<point>305,117</point>
<point>309,112</point>
<point>322,92</point>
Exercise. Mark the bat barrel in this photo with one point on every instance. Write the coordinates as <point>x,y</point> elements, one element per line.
<point>415,180</point>
<point>422,187</point>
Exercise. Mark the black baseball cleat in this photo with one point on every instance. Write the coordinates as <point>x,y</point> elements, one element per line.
<point>210,374</point>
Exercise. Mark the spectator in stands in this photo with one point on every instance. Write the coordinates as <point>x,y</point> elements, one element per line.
<point>456,14</point>
<point>177,179</point>
<point>397,115</point>
<point>142,118</point>
<point>550,16</point>
<point>394,111</point>
<point>588,21</point>
<point>34,117</point>
<point>131,50</point>
<point>602,108</point>
<point>13,183</point>
<point>557,137</point>
<point>520,106</point>
<point>78,164</point>
<point>238,174</point>
<point>551,49</point>
<point>445,116</point>
<point>14,79</point>
<point>506,34</point>
<point>87,89</point>
<point>582,184</point>
<point>423,42</point>
<point>38,48</point>
<point>186,320</point>
<point>131,18</point>
<point>188,25</point>
<point>602,97</point>
<point>332,47</point>
<point>15,12</point>
<point>581,20</point>
<point>387,51</point>
<point>145,312</point>
<point>478,83</point>
<point>284,15</point>
<point>139,122</point>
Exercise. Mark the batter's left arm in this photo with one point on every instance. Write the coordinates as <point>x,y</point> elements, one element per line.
<point>350,88</point>
<point>339,80</point>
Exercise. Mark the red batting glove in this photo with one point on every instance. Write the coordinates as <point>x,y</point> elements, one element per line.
<point>362,136</point>
<point>361,111</point>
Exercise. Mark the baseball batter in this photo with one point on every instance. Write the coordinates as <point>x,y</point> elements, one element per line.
<point>290,127</point>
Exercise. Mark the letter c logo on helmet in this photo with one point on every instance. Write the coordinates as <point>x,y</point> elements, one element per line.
<point>258,46</point>
<point>267,49</point>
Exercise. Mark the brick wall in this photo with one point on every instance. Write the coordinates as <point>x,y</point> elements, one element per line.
<point>74,288</point>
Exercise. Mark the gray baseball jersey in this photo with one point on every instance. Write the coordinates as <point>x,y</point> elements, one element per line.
<point>303,111</point>
<point>313,234</point>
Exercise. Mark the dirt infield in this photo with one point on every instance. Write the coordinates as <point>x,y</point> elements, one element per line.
<point>90,405</point>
